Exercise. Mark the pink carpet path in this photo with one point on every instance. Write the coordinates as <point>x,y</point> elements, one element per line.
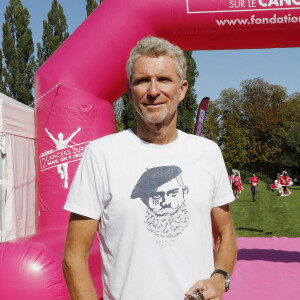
<point>266,269</point>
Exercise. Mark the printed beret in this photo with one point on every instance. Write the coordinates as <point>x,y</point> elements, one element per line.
<point>152,179</point>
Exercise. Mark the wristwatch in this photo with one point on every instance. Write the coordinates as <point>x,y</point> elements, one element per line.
<point>226,275</point>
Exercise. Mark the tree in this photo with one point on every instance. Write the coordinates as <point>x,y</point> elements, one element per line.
<point>18,51</point>
<point>2,86</point>
<point>233,140</point>
<point>187,109</point>
<point>91,5</point>
<point>257,128</point>
<point>54,32</point>
<point>118,108</point>
<point>288,137</point>
<point>289,142</point>
<point>292,111</point>
<point>211,127</point>
<point>262,107</point>
<point>129,114</point>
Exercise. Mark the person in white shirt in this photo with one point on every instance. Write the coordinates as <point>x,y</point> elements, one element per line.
<point>159,198</point>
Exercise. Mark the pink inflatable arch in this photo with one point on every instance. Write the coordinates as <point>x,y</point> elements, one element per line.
<point>76,87</point>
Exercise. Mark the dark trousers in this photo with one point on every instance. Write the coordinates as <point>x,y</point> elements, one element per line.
<point>254,190</point>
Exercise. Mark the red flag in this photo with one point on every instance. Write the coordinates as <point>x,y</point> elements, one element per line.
<point>201,115</point>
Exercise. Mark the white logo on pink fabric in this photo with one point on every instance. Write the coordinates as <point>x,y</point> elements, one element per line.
<point>62,156</point>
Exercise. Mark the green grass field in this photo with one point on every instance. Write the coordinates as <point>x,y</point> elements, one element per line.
<point>269,216</point>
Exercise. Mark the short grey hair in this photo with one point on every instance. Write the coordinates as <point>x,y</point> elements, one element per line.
<point>155,47</point>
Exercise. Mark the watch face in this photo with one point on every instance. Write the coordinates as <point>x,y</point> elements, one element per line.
<point>227,283</point>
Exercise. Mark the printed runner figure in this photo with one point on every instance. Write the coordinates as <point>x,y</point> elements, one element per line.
<point>62,144</point>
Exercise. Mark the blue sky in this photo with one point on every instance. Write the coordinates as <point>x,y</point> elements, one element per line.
<point>217,69</point>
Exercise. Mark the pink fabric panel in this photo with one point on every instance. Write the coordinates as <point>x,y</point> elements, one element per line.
<point>67,120</point>
<point>198,29</point>
<point>267,268</point>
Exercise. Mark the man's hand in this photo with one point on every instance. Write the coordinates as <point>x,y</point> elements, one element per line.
<point>224,255</point>
<point>212,289</point>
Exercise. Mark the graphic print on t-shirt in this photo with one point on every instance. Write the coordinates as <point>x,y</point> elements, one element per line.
<point>163,192</point>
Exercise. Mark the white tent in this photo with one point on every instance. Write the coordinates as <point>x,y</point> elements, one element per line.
<point>17,169</point>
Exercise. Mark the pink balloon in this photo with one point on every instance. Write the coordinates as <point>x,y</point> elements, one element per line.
<point>31,267</point>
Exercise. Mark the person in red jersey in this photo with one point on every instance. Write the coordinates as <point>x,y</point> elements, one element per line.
<point>231,180</point>
<point>285,179</point>
<point>290,182</point>
<point>274,186</point>
<point>237,185</point>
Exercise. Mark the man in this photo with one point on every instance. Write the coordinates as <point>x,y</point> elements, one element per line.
<point>156,233</point>
<point>253,180</point>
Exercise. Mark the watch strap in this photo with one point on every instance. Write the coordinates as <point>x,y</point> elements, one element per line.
<point>219,271</point>
<point>226,275</point>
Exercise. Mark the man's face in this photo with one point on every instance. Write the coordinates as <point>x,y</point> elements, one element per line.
<point>168,198</point>
<point>156,89</point>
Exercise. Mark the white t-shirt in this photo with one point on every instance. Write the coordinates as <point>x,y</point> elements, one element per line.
<point>154,203</point>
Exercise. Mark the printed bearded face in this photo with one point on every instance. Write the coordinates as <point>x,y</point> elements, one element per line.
<point>167,214</point>
<point>167,198</point>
